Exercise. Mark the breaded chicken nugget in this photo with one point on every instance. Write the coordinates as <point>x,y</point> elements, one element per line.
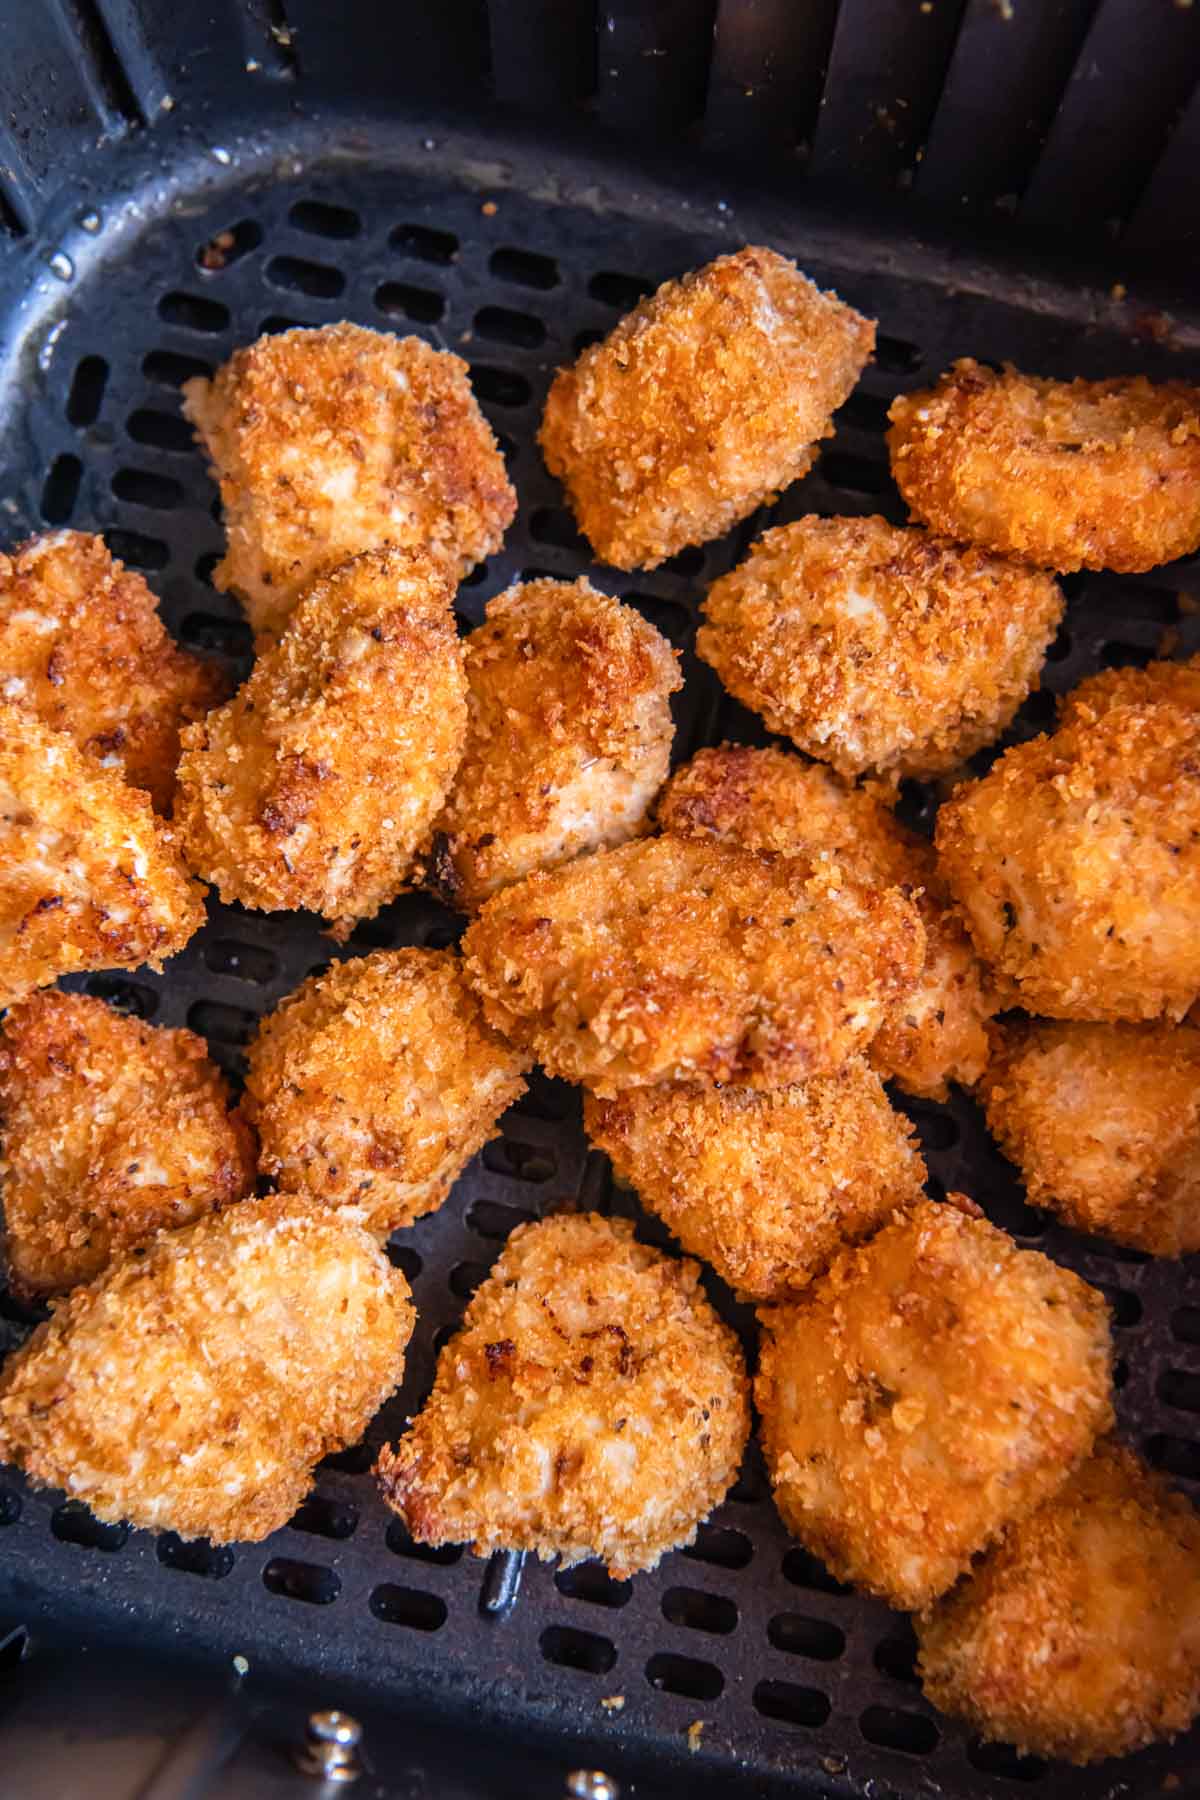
<point>1077,863</point>
<point>1066,474</point>
<point>674,959</point>
<point>374,1084</point>
<point>89,878</point>
<point>1175,682</point>
<point>873,647</point>
<point>568,740</point>
<point>1103,1122</point>
<point>592,1404</point>
<point>82,646</point>
<point>111,1130</point>
<point>314,785</point>
<point>765,1187</point>
<point>772,800</point>
<point>935,1385</point>
<point>701,405</point>
<point>331,441</point>
<point>195,1389</point>
<point>1078,1636</point>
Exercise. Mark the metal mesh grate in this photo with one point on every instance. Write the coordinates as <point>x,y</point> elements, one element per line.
<point>789,1671</point>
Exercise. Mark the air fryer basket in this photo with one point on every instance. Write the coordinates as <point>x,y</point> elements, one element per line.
<point>740,1663</point>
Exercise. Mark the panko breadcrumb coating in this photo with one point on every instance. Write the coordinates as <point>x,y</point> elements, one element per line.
<point>1078,1636</point>
<point>772,800</point>
<point>592,1404</point>
<point>875,647</point>
<point>314,785</point>
<point>82,646</point>
<point>674,959</point>
<point>374,1084</point>
<point>110,1130</point>
<point>1175,682</point>
<point>1066,474</point>
<point>935,1385</point>
<point>1076,860</point>
<point>1103,1121</point>
<point>765,1187</point>
<point>701,405</point>
<point>568,740</point>
<point>195,1389</point>
<point>89,877</point>
<point>330,441</point>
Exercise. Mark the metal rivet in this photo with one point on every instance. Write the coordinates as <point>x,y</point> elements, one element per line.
<point>591,1784</point>
<point>330,1751</point>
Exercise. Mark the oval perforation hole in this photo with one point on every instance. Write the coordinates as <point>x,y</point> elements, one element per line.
<point>72,1523</point>
<point>504,326</point>
<point>583,340</point>
<point>893,1729</point>
<point>1118,655</point>
<point>622,291</point>
<point>194,312</point>
<point>554,525</point>
<point>378,933</point>
<point>545,1098</point>
<point>225,637</point>
<point>791,1705</point>
<point>491,1219</point>
<point>293,1580</point>
<point>1061,647</point>
<point>399,300</point>
<point>857,474</point>
<point>169,368</point>
<point>1126,1307</point>
<point>123,995</point>
<point>524,267</point>
<point>441,935</point>
<point>162,431</point>
<point>1185,1324</point>
<point>804,1570</point>
<point>60,490</point>
<point>896,1657</point>
<point>1004,1761</point>
<point>406,1259</point>
<point>354,1461</point>
<point>568,1648</point>
<point>500,387</point>
<point>800,1635</point>
<point>322,1516</point>
<point>319,218</point>
<point>233,1025</point>
<point>400,1543</point>
<point>194,1556</point>
<point>275,324</point>
<point>1177,1456</point>
<point>721,1546</point>
<point>591,1582</point>
<point>897,355</point>
<point>1180,1388</point>
<point>465,1277</point>
<point>684,1675</point>
<point>520,1162</point>
<point>87,391</point>
<point>668,616</point>
<point>695,1610</point>
<point>10,1506</point>
<point>297,276</point>
<point>245,962</point>
<point>688,562</point>
<point>140,488</point>
<point>226,247</point>
<point>865,412</point>
<point>408,1606</point>
<point>424,243</point>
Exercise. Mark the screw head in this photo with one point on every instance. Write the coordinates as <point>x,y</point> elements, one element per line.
<point>591,1784</point>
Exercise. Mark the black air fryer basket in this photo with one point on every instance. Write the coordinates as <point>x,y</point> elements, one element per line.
<point>1008,179</point>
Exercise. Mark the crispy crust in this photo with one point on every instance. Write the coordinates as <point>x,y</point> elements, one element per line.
<point>1066,474</point>
<point>874,647</point>
<point>935,1385</point>
<point>591,1405</point>
<point>568,740</point>
<point>1103,1122</point>
<point>89,877</point>
<point>1079,1635</point>
<point>82,646</point>
<point>374,1084</point>
<point>765,1187</point>
<point>332,441</point>
<point>772,800</point>
<point>701,405</point>
<point>1175,682</point>
<point>112,1130</point>
<point>196,1388</point>
<point>314,785</point>
<point>675,959</point>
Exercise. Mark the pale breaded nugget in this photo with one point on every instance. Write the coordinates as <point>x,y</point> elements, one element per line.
<point>568,740</point>
<point>89,878</point>
<point>935,1385</point>
<point>772,800</point>
<point>674,959</point>
<point>1076,860</point>
<point>874,647</point>
<point>1078,1636</point>
<point>314,785</point>
<point>111,1130</point>
<point>374,1084</point>
<point>82,646</point>
<point>331,441</point>
<point>765,1187</point>
<point>196,1388</point>
<point>701,405</point>
<point>592,1404</point>
<point>1066,474</point>
<point>1103,1122</point>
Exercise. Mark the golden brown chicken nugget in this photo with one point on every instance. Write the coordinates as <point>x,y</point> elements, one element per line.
<point>674,959</point>
<point>935,1385</point>
<point>1076,861</point>
<point>568,740</point>
<point>874,647</point>
<point>1175,682</point>
<point>592,1404</point>
<point>373,1085</point>
<point>1078,1636</point>
<point>1066,474</point>
<point>772,800</point>
<point>82,646</point>
<point>89,878</point>
<point>196,1388</point>
<point>111,1130</point>
<point>701,405</point>
<point>765,1187</point>
<point>334,440</point>
<point>1103,1122</point>
<point>314,785</point>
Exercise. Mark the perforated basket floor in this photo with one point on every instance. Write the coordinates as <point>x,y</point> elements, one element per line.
<point>795,1679</point>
